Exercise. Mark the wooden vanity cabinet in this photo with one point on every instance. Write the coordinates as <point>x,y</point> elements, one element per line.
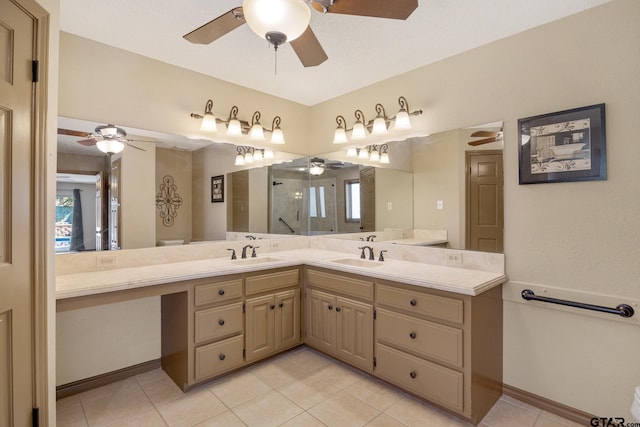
<point>339,316</point>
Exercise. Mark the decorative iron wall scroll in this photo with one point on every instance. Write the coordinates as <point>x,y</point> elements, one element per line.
<point>168,200</point>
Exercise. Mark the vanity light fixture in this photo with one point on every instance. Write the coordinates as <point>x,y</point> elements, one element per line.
<point>248,155</point>
<point>237,127</point>
<point>378,126</point>
<point>373,153</point>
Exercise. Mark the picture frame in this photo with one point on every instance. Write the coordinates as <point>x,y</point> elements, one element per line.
<point>217,189</point>
<point>564,146</point>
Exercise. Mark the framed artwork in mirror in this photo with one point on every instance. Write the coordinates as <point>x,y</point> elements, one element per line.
<point>217,188</point>
<point>563,146</point>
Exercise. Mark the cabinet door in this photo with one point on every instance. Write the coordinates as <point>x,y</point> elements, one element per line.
<point>354,338</point>
<point>287,321</point>
<point>259,327</point>
<point>321,320</point>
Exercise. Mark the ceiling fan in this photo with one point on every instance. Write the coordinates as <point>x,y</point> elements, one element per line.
<point>487,137</point>
<point>109,138</point>
<point>317,166</point>
<point>280,21</point>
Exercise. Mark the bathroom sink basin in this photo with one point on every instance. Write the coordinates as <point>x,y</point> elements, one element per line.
<point>358,262</point>
<point>257,260</point>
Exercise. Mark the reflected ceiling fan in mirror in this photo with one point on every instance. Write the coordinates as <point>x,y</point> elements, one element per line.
<point>281,21</point>
<point>487,137</point>
<point>109,138</point>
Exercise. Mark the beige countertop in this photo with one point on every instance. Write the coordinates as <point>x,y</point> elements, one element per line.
<point>451,279</point>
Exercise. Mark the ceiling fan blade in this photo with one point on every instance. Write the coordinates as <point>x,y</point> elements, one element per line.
<point>87,142</point>
<point>483,141</point>
<point>396,9</point>
<point>71,132</point>
<point>308,49</point>
<point>217,28</point>
<point>484,133</point>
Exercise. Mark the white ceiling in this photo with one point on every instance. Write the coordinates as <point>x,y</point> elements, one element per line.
<point>361,50</point>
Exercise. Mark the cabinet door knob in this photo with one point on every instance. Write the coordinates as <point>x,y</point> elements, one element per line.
<point>221,322</point>
<point>413,303</point>
<point>222,356</point>
<point>338,309</point>
<point>412,335</point>
<point>272,306</point>
<point>281,305</point>
<point>413,374</point>
<point>221,292</point>
<point>330,307</point>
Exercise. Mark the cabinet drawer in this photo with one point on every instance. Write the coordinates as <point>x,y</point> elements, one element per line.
<point>218,357</point>
<point>432,381</point>
<point>217,322</point>
<point>218,292</point>
<point>272,281</point>
<point>448,309</point>
<point>439,342</point>
<point>345,285</point>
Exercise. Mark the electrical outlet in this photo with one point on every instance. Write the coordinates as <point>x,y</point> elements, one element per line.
<point>439,205</point>
<point>389,206</point>
<point>103,261</point>
<point>453,257</point>
<point>274,245</point>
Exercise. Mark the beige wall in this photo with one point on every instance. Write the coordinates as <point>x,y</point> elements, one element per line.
<point>577,236</point>
<point>394,197</point>
<point>580,237</point>
<point>178,165</point>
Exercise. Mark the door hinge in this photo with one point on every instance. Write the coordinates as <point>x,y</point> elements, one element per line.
<point>244,353</point>
<point>375,314</point>
<point>375,362</point>
<point>35,417</point>
<point>35,71</point>
<point>243,308</point>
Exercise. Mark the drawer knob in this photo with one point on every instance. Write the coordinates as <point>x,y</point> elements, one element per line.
<point>413,303</point>
<point>272,306</point>
<point>221,322</point>
<point>330,307</point>
<point>222,356</point>
<point>221,292</point>
<point>412,335</point>
<point>281,305</point>
<point>338,309</point>
<point>413,374</point>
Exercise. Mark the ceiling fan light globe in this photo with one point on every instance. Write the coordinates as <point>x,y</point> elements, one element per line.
<point>340,136</point>
<point>402,121</point>
<point>277,137</point>
<point>290,17</point>
<point>316,170</point>
<point>234,128</point>
<point>208,123</point>
<point>110,146</point>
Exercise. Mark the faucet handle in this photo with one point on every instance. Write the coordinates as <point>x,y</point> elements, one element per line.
<point>362,253</point>
<point>233,253</point>
<point>253,252</point>
<point>381,258</point>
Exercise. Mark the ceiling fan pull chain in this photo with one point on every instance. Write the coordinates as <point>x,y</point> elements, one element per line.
<point>275,66</point>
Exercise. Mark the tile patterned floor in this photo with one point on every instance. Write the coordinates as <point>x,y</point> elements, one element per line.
<point>299,388</point>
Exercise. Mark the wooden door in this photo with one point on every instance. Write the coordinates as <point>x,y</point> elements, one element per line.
<point>368,199</point>
<point>17,215</point>
<point>287,319</point>
<point>321,320</point>
<point>259,324</point>
<point>485,210</point>
<point>354,337</point>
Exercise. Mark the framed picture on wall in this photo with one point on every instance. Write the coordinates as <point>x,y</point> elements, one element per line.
<point>217,188</point>
<point>563,146</point>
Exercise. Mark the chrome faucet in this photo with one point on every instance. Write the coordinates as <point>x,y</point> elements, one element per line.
<point>371,237</point>
<point>253,252</point>
<point>371,257</point>
<point>233,253</point>
<point>381,258</point>
<point>244,251</point>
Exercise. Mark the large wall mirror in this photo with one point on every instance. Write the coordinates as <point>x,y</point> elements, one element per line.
<point>443,189</point>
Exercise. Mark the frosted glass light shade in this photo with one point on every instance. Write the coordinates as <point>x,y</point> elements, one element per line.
<point>233,128</point>
<point>277,137</point>
<point>209,123</point>
<point>375,156</point>
<point>248,157</point>
<point>268,153</point>
<point>239,160</point>
<point>316,170</point>
<point>256,132</point>
<point>290,17</point>
<point>258,156</point>
<point>384,158</point>
<point>340,136</point>
<point>359,131</point>
<point>110,146</point>
<point>402,120</point>
<point>363,154</point>
<point>352,152</point>
<point>379,126</point>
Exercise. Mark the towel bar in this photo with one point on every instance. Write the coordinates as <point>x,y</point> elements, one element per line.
<point>624,310</point>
